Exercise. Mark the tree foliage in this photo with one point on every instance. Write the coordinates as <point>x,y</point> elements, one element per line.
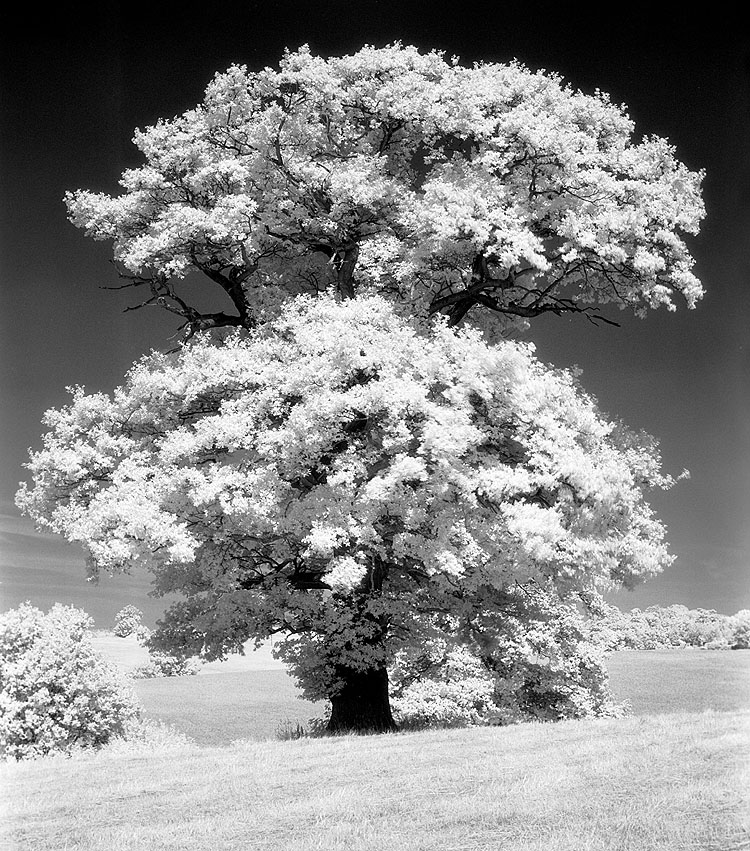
<point>537,659</point>
<point>56,691</point>
<point>127,621</point>
<point>659,627</point>
<point>355,464</point>
<point>492,190</point>
<point>741,630</point>
<point>357,481</point>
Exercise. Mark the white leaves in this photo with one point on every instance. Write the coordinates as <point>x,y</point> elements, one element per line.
<point>56,692</point>
<point>423,165</point>
<point>340,468</point>
<point>345,575</point>
<point>339,431</point>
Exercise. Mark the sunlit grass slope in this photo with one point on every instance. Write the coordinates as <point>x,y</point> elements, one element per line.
<point>666,782</point>
<point>236,703</point>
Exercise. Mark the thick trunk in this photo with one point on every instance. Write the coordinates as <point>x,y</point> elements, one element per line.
<point>362,705</point>
<point>345,263</point>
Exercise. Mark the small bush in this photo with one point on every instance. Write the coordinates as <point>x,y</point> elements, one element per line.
<point>164,665</point>
<point>127,621</point>
<point>456,691</point>
<point>142,633</point>
<point>289,731</point>
<point>56,692</point>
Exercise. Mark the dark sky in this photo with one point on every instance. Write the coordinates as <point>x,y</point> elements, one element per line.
<point>75,84</point>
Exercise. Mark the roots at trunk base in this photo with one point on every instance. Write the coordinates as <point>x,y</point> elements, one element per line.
<point>362,705</point>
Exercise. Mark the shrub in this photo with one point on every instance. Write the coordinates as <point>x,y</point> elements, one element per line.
<point>455,690</point>
<point>164,665</point>
<point>740,624</point>
<point>127,621</point>
<point>540,661</point>
<point>142,633</point>
<point>56,692</point>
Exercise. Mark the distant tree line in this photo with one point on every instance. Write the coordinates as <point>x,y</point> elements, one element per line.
<point>659,627</point>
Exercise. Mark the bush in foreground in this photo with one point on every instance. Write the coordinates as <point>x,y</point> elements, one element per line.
<point>56,692</point>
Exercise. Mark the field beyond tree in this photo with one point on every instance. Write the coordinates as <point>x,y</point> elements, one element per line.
<point>254,697</point>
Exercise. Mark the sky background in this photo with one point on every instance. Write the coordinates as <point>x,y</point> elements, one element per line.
<point>75,84</point>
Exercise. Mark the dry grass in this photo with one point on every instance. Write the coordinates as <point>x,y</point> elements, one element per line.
<point>662,783</point>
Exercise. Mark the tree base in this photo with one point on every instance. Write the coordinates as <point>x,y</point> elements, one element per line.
<point>362,705</point>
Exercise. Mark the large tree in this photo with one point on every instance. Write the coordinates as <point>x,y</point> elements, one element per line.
<point>358,482</point>
<point>490,191</point>
<point>354,469</point>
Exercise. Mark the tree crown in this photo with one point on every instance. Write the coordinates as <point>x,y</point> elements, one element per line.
<point>339,467</point>
<point>490,191</point>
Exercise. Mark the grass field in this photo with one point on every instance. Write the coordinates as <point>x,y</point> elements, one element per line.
<point>672,776</point>
<point>248,696</point>
<point>252,696</point>
<point>662,783</point>
<point>220,708</point>
<point>691,680</point>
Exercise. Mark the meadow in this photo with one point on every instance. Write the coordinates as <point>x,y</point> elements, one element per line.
<point>674,775</point>
<point>252,696</point>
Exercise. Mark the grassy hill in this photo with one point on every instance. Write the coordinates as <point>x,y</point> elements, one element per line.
<point>675,775</point>
<point>661,783</point>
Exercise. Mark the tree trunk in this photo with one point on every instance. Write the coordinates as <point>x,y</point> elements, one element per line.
<point>345,262</point>
<point>362,705</point>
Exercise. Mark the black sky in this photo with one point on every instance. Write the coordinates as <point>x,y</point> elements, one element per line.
<point>77,81</point>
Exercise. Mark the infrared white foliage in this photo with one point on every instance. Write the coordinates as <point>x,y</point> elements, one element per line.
<point>57,693</point>
<point>413,168</point>
<point>365,464</point>
<point>341,468</point>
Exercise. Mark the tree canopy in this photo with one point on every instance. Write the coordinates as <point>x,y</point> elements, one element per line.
<point>352,479</point>
<point>492,192</point>
<point>360,460</point>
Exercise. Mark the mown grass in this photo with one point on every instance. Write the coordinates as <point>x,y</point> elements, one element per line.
<point>687,680</point>
<point>252,703</point>
<point>661,783</point>
<point>220,708</point>
<point>248,696</point>
<point>675,780</point>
